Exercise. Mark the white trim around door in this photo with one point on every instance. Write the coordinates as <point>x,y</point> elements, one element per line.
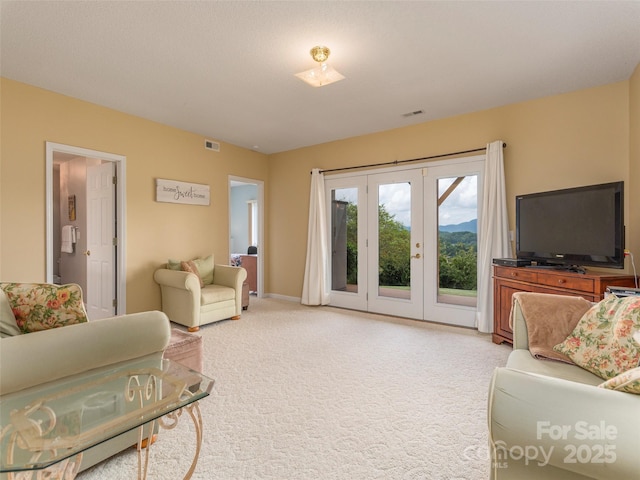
<point>120,213</point>
<point>237,181</point>
<point>353,216</point>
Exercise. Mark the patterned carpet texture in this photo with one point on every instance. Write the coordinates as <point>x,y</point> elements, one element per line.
<point>323,393</point>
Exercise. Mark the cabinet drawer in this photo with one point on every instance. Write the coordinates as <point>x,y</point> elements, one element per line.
<point>521,274</point>
<point>568,282</point>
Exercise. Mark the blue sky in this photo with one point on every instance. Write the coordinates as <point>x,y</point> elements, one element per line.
<point>461,206</point>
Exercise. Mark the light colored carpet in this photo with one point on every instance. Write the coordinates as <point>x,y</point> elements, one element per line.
<point>323,393</point>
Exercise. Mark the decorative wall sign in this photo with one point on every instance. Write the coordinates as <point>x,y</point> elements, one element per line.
<point>172,191</point>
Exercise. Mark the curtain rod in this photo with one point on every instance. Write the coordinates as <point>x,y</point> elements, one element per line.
<point>398,162</point>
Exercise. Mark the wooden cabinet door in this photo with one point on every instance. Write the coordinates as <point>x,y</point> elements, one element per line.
<point>503,292</point>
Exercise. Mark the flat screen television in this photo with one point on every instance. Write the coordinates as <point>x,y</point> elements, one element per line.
<point>573,227</point>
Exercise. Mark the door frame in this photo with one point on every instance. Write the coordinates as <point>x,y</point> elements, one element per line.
<point>261,252</point>
<point>458,315</point>
<point>359,301</point>
<point>120,213</point>
<point>412,307</point>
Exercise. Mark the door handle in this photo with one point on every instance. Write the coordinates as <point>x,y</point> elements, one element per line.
<point>417,255</point>
<point>87,253</point>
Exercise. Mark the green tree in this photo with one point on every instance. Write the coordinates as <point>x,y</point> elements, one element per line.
<point>395,250</point>
<point>457,253</point>
<point>352,244</point>
<point>394,240</point>
<point>458,262</point>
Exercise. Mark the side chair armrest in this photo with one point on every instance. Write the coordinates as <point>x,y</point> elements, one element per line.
<point>35,358</point>
<point>177,279</point>
<point>536,412</point>
<point>229,276</point>
<point>519,327</point>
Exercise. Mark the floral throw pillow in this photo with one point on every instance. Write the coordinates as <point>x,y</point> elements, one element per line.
<point>628,381</point>
<point>602,340</point>
<point>8,325</point>
<point>41,306</point>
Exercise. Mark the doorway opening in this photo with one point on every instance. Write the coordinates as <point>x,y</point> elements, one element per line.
<point>85,225</point>
<point>246,230</point>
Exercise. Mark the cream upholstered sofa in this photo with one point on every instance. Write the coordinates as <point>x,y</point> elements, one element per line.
<point>549,420</point>
<point>197,298</point>
<point>32,359</point>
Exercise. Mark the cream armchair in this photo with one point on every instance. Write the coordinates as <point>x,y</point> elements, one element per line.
<point>188,303</point>
<point>549,420</point>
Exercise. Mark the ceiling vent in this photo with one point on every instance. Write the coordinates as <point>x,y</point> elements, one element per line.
<point>411,114</point>
<point>211,145</point>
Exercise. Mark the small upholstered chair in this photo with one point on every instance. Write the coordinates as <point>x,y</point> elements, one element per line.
<point>199,292</point>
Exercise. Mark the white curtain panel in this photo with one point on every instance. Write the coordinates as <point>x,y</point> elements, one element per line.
<point>315,289</point>
<point>493,232</point>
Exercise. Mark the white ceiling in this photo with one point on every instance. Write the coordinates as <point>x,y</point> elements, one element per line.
<point>225,70</point>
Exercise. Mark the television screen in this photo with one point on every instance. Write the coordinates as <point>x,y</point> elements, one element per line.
<point>572,227</point>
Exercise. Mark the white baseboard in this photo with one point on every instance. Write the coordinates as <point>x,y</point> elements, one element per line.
<point>283,297</point>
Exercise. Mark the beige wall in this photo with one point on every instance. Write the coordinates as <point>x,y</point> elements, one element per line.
<point>155,231</point>
<point>578,138</point>
<point>573,139</point>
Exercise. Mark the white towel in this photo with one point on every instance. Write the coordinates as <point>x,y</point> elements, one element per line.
<point>68,238</point>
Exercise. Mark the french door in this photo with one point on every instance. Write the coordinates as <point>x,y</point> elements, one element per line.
<point>394,245</point>
<point>395,253</point>
<point>451,216</point>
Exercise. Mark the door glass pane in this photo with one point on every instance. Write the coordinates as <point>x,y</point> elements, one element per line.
<point>394,240</point>
<point>344,239</point>
<point>458,240</point>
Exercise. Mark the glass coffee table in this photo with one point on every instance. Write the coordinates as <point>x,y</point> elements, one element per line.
<point>44,430</point>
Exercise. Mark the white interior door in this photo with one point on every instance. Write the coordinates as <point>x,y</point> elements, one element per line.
<point>101,248</point>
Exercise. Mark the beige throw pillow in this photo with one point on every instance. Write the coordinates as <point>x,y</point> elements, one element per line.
<point>173,264</point>
<point>205,267</point>
<point>191,268</point>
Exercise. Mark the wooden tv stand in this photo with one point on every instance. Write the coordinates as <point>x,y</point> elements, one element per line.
<point>509,280</point>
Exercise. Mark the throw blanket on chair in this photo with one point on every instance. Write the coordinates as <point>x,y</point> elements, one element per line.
<point>550,319</point>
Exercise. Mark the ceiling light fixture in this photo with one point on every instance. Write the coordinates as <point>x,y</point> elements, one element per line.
<point>323,74</point>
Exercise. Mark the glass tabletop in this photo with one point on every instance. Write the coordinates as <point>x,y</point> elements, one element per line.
<point>43,425</point>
